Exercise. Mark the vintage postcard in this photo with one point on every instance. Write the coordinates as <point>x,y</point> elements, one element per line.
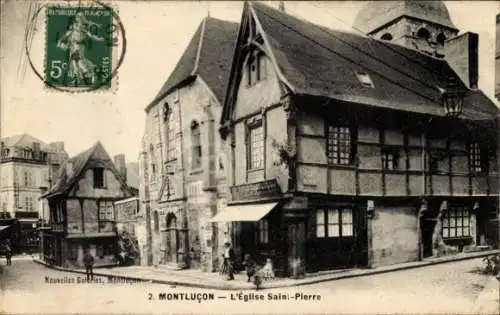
<point>232,157</point>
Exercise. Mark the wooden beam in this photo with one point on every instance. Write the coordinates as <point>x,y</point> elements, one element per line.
<point>407,162</point>
<point>381,139</point>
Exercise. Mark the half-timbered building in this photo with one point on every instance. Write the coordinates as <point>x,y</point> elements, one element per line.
<point>81,210</point>
<point>358,150</point>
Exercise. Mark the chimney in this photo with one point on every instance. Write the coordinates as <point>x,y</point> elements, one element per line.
<point>120,165</point>
<point>461,52</point>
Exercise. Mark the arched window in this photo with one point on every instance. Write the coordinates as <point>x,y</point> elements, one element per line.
<point>195,145</point>
<point>441,38</point>
<point>423,33</point>
<point>386,36</point>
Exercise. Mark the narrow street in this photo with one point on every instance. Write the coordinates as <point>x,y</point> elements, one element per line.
<point>444,288</point>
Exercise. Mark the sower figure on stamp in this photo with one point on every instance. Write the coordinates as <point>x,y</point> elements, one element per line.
<point>88,261</point>
<point>74,41</point>
<point>229,256</point>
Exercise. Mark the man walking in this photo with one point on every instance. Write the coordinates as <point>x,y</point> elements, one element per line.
<point>8,254</point>
<point>229,261</point>
<point>88,261</point>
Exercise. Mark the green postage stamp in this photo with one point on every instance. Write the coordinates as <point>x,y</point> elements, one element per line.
<point>81,43</point>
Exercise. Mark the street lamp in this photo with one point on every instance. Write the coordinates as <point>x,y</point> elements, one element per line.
<point>453,101</point>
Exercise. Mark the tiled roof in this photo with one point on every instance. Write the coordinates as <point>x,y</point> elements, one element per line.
<point>322,62</point>
<point>78,164</point>
<point>211,61</point>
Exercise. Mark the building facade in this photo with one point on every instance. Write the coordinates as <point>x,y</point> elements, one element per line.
<point>27,168</point>
<point>182,165</point>
<point>350,150</point>
<point>27,165</point>
<point>81,210</point>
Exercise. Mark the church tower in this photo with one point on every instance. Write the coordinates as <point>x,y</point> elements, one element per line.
<point>425,26</point>
<point>422,25</point>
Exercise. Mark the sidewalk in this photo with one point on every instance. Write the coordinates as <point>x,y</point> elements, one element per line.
<point>212,280</point>
<point>488,301</point>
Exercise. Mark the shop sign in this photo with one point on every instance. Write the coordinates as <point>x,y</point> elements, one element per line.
<point>254,191</point>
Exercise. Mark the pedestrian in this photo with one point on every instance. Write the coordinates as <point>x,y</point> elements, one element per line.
<point>8,254</point>
<point>229,261</point>
<point>88,261</point>
<point>250,266</point>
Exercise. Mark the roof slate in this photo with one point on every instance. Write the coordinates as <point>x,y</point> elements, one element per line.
<point>323,62</point>
<point>211,61</point>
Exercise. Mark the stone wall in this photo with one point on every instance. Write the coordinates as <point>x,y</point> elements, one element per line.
<point>394,235</point>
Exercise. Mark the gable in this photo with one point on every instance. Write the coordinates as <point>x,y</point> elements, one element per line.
<point>252,41</point>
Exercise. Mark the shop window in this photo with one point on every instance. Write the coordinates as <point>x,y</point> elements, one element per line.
<point>339,146</point>
<point>255,153</point>
<point>456,222</point>
<point>195,145</point>
<point>337,222</point>
<point>98,173</point>
<point>109,249</point>
<point>262,231</point>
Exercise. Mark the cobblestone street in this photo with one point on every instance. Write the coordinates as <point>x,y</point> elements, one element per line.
<point>444,288</point>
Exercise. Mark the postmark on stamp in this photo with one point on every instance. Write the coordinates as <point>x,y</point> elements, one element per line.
<point>84,46</point>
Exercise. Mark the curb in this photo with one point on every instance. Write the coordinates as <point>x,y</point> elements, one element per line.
<point>336,276</point>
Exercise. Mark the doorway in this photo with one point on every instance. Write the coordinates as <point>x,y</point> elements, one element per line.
<point>172,238</point>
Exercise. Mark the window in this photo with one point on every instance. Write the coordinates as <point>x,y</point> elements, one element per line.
<point>256,67</point>
<point>386,36</point>
<point>423,33</point>
<point>195,145</point>
<point>171,152</point>
<point>456,222</point>
<point>256,147</point>
<point>153,170</point>
<point>169,187</point>
<point>390,159</point>
<point>339,145</point>
<point>98,177</point>
<point>27,178</point>
<point>478,158</point>
<point>441,38</point>
<point>262,231</point>
<point>334,222</point>
<point>106,211</point>
<point>156,221</point>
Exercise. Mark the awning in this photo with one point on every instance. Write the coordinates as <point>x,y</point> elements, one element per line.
<point>3,227</point>
<point>249,212</point>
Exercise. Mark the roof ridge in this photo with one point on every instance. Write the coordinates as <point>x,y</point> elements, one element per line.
<point>200,44</point>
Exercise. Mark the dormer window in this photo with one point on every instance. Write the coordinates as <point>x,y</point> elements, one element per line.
<point>386,36</point>
<point>365,79</point>
<point>423,33</point>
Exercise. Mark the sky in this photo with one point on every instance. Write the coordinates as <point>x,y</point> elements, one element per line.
<point>157,33</point>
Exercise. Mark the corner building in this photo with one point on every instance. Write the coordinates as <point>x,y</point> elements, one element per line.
<point>349,150</point>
